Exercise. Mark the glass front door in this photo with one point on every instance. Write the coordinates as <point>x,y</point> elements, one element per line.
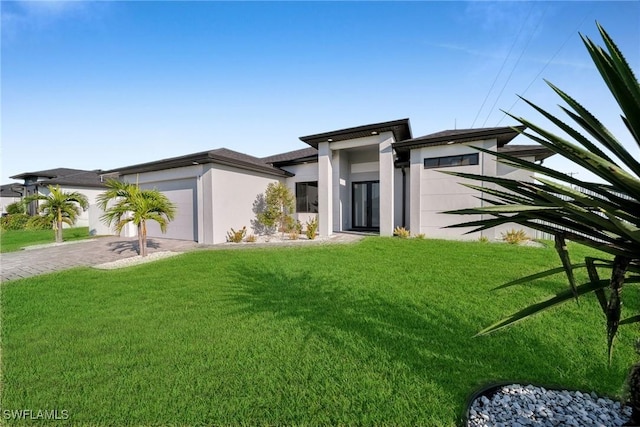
<point>365,209</point>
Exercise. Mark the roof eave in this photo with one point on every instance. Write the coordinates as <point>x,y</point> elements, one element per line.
<point>361,131</point>
<point>193,160</point>
<point>503,136</point>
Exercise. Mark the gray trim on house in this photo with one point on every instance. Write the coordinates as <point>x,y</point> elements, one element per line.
<point>305,155</point>
<point>532,150</point>
<point>502,134</point>
<point>401,131</point>
<point>221,156</point>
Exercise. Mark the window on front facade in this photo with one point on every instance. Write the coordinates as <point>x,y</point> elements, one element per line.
<point>451,161</point>
<point>307,197</point>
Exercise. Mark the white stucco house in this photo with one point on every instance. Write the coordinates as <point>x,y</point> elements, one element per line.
<point>85,182</point>
<point>373,177</point>
<point>10,193</point>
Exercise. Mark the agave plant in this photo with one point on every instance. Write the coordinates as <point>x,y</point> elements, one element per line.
<point>602,216</point>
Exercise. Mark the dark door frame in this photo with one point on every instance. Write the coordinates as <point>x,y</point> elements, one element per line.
<point>369,224</point>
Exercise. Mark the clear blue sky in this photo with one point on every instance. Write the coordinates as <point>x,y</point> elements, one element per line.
<point>99,85</point>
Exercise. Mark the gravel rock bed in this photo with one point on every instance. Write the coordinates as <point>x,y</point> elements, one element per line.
<point>134,260</point>
<point>518,406</point>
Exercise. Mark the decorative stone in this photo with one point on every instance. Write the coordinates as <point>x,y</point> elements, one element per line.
<point>517,405</point>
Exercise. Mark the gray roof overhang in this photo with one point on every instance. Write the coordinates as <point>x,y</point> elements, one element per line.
<point>401,130</point>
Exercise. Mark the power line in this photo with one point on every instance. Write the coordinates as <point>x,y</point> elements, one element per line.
<point>503,64</point>
<point>516,64</point>
<point>546,65</point>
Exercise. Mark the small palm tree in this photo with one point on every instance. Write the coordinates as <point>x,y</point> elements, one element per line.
<point>131,204</point>
<point>60,207</point>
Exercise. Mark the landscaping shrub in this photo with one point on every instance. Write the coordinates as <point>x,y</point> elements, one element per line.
<point>38,222</point>
<point>236,236</point>
<point>279,204</point>
<point>514,237</point>
<point>15,208</point>
<point>312,228</point>
<point>251,238</point>
<point>14,222</point>
<point>401,232</point>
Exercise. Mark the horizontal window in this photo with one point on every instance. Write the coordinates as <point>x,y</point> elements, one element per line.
<point>451,161</point>
<point>307,197</point>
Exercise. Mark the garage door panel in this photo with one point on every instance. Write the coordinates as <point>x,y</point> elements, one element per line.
<point>183,194</point>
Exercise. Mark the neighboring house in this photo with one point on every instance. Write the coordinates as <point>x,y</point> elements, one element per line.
<point>10,193</point>
<point>373,177</point>
<point>85,182</point>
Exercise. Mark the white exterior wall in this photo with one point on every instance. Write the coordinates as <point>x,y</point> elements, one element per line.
<point>387,187</point>
<point>234,192</point>
<point>223,198</point>
<point>159,179</point>
<point>505,171</point>
<point>5,201</point>
<point>325,190</point>
<point>307,172</point>
<point>432,192</point>
<point>84,219</point>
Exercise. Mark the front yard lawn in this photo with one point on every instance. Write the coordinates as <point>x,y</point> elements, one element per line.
<point>376,333</point>
<point>14,240</point>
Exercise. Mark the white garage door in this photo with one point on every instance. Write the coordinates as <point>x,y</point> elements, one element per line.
<point>182,192</point>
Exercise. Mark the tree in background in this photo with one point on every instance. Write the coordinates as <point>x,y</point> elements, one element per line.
<point>60,207</point>
<point>279,206</point>
<point>125,203</point>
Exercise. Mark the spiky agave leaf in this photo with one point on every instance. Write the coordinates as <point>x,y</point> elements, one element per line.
<point>602,216</point>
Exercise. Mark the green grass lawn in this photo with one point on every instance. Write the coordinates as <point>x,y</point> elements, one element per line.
<point>376,333</point>
<point>14,240</point>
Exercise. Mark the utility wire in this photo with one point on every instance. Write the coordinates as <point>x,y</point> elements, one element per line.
<point>502,67</point>
<point>535,79</point>
<point>516,64</point>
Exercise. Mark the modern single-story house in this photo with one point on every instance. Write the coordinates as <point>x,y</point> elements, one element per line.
<point>372,177</point>
<point>85,182</point>
<point>10,193</point>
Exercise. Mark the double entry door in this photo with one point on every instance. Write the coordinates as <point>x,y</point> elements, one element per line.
<point>365,205</point>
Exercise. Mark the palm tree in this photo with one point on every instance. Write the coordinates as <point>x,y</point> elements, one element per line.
<point>602,216</point>
<point>131,204</point>
<point>60,207</point>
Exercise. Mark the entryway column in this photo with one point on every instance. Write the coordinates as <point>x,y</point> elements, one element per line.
<point>415,201</point>
<point>325,190</point>
<point>387,174</point>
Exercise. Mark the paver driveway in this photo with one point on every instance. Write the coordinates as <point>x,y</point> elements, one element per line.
<point>27,263</point>
<point>31,262</point>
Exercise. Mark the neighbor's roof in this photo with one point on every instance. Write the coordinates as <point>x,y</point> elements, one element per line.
<point>9,190</point>
<point>221,156</point>
<point>401,131</point>
<point>64,176</point>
